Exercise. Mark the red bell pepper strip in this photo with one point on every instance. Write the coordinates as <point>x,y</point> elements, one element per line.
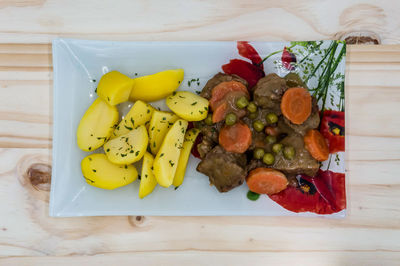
<point>245,70</point>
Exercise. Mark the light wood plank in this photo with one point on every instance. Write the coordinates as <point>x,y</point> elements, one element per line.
<point>210,258</point>
<point>373,214</point>
<point>39,21</point>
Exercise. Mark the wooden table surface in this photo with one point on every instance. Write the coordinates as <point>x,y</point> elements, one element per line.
<point>369,235</point>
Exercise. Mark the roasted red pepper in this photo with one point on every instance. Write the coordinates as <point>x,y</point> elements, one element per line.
<point>323,194</point>
<point>245,70</point>
<point>248,51</point>
<point>287,59</point>
<point>332,128</point>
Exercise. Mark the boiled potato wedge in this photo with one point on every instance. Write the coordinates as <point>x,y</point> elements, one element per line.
<point>188,105</point>
<point>128,148</point>
<point>166,161</point>
<point>98,171</point>
<point>157,86</point>
<point>140,114</point>
<point>114,87</point>
<point>160,123</point>
<point>190,137</point>
<point>148,181</point>
<point>96,125</point>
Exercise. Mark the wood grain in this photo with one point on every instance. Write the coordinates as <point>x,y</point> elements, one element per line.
<point>39,21</point>
<point>212,258</point>
<point>369,235</point>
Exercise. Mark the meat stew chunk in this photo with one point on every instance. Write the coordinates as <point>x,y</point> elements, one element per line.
<point>302,163</point>
<point>225,170</point>
<point>217,79</point>
<point>209,136</point>
<point>268,92</point>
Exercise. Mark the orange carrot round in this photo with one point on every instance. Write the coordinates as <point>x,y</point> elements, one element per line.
<point>235,138</point>
<point>220,112</point>
<point>222,89</point>
<point>266,181</point>
<point>296,105</point>
<point>316,145</point>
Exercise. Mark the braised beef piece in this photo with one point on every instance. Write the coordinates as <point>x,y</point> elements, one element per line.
<point>231,99</point>
<point>302,163</point>
<point>217,79</point>
<point>268,92</point>
<point>205,146</point>
<point>225,170</point>
<point>253,164</point>
<point>312,121</point>
<point>209,131</point>
<point>209,136</point>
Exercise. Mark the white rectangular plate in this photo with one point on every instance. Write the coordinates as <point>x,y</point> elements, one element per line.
<point>78,66</point>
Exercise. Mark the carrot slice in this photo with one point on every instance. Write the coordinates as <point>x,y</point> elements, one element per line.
<point>235,138</point>
<point>220,112</point>
<point>266,181</point>
<point>222,89</point>
<point>316,145</point>
<point>296,105</point>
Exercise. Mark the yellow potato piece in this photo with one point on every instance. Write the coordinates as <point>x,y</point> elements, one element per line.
<point>96,125</point>
<point>98,171</point>
<point>157,86</point>
<point>140,114</point>
<point>128,148</point>
<point>166,161</point>
<point>160,123</point>
<point>190,137</point>
<point>114,87</point>
<point>148,181</point>
<point>188,105</point>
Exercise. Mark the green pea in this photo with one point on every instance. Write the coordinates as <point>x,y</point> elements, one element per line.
<point>258,125</point>
<point>253,115</point>
<point>277,147</point>
<point>258,153</point>
<point>270,139</point>
<point>272,118</point>
<point>230,119</point>
<point>252,107</point>
<point>252,195</point>
<point>208,120</point>
<point>242,102</point>
<point>269,158</point>
<point>289,152</point>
